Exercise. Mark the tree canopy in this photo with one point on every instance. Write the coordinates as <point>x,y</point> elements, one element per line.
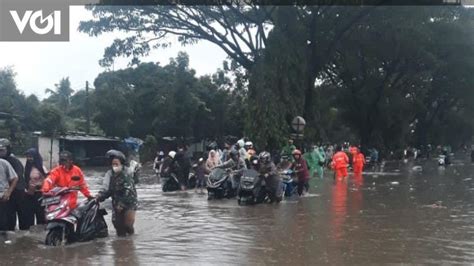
<point>383,76</point>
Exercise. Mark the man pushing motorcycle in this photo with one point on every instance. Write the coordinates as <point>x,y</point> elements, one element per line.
<point>67,175</point>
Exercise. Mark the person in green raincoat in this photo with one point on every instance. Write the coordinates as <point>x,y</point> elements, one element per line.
<point>287,150</point>
<point>321,154</point>
<point>316,160</point>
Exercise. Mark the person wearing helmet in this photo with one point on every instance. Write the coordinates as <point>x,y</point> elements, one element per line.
<point>158,163</point>
<point>169,165</point>
<point>269,172</point>
<point>119,185</point>
<point>254,163</point>
<point>19,204</point>
<point>250,151</point>
<point>62,176</point>
<point>300,167</point>
<point>241,149</point>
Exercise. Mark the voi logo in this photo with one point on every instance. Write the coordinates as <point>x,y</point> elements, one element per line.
<point>38,24</point>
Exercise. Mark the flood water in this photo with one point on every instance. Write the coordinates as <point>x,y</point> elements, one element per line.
<point>400,215</point>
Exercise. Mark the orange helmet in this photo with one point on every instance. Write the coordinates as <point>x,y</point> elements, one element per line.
<point>296,152</point>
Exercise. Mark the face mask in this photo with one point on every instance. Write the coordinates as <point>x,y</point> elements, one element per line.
<point>117,169</point>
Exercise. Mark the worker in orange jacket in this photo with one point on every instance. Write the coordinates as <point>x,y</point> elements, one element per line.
<point>62,176</point>
<point>358,163</point>
<point>353,151</point>
<point>339,163</point>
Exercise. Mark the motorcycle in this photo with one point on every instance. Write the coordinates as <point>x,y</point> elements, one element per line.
<point>250,189</point>
<point>170,183</point>
<point>192,176</point>
<point>219,184</point>
<point>66,225</point>
<point>255,188</point>
<point>289,186</point>
<point>443,160</point>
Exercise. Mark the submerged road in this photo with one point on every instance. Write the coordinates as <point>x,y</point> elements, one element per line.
<point>393,215</point>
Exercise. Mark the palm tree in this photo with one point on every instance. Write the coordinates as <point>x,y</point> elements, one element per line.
<point>61,96</point>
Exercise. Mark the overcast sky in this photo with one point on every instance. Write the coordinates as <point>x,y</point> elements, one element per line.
<point>39,65</point>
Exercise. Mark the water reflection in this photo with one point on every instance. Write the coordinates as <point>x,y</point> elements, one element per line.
<point>338,210</point>
<point>124,251</point>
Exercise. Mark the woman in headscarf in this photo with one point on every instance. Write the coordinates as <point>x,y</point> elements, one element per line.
<point>35,173</point>
<point>213,160</point>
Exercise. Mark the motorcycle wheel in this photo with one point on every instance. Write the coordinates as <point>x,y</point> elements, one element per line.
<point>210,196</point>
<point>164,187</point>
<point>55,237</point>
<point>278,199</point>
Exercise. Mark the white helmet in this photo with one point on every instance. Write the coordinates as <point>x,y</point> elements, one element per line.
<point>241,143</point>
<point>172,154</point>
<point>248,143</point>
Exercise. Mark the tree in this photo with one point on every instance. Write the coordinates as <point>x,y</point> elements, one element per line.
<point>61,96</point>
<point>169,101</point>
<point>52,120</point>
<point>241,31</point>
<point>387,87</point>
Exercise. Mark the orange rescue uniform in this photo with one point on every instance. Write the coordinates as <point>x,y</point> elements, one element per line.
<point>60,177</point>
<point>358,163</point>
<point>339,164</point>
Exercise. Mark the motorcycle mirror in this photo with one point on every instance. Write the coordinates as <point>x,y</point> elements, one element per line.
<point>76,178</point>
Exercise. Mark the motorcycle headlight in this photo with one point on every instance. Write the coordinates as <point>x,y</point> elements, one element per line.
<point>247,178</point>
<point>55,212</point>
<point>51,215</point>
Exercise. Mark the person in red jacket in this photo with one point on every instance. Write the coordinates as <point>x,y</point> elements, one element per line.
<point>61,176</point>
<point>301,169</point>
<point>339,163</point>
<point>358,163</point>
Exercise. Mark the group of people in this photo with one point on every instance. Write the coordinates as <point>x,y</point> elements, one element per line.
<point>243,155</point>
<point>22,188</point>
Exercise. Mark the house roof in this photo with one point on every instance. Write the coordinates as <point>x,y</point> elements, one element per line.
<point>87,138</point>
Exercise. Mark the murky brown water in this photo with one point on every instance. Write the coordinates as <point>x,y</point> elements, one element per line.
<point>427,217</point>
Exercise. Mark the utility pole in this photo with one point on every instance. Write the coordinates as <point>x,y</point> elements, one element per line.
<point>88,115</point>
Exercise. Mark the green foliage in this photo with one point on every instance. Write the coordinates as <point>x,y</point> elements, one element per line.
<point>51,120</point>
<point>149,148</point>
<point>61,96</point>
<point>164,101</point>
<point>397,73</point>
<point>277,81</point>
